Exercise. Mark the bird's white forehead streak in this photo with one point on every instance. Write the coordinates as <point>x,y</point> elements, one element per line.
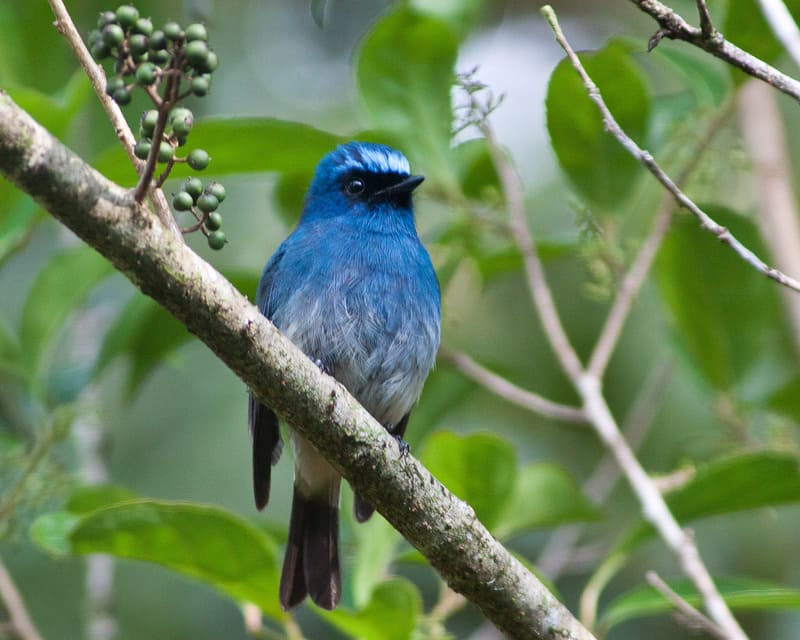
<point>380,161</point>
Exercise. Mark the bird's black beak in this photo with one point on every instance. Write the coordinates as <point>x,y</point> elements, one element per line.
<point>404,186</point>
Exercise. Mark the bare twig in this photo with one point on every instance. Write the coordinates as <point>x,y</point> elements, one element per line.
<point>21,624</point>
<point>643,156</point>
<point>511,392</point>
<point>696,619</point>
<point>706,25</point>
<point>534,271</point>
<point>783,26</point>
<point>629,288</point>
<point>97,77</point>
<point>765,137</point>
<point>673,26</point>
<point>557,553</point>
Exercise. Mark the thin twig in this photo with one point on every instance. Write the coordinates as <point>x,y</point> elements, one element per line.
<point>511,392</point>
<point>673,26</point>
<point>557,553</point>
<point>540,292</point>
<point>635,276</point>
<point>21,623</point>
<point>696,618</point>
<point>706,25</point>
<point>643,156</point>
<point>97,77</point>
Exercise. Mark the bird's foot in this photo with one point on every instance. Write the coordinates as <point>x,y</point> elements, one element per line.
<point>404,447</point>
<point>320,365</point>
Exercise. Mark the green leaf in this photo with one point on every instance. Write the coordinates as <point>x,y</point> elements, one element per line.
<point>240,145</point>
<point>57,291</point>
<point>746,27</point>
<point>727,315</point>
<point>476,171</point>
<point>544,495</point>
<point>460,15</point>
<point>727,485</point>
<point>593,160</point>
<point>146,333</point>
<point>17,221</point>
<point>92,497</point>
<point>391,614</point>
<point>480,468</point>
<point>405,73</point>
<point>202,542</point>
<point>54,112</point>
<point>376,541</point>
<point>706,78</point>
<point>51,532</point>
<point>741,594</point>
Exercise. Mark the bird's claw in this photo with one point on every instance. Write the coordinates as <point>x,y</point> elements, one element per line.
<point>404,447</point>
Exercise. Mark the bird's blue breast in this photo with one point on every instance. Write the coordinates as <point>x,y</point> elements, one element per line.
<point>359,293</point>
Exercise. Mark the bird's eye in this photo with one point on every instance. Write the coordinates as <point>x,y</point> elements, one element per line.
<point>355,187</point>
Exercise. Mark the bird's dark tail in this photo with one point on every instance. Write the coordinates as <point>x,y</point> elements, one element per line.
<point>267,445</point>
<point>311,563</point>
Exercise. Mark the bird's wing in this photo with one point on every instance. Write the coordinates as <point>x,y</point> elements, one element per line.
<point>264,431</point>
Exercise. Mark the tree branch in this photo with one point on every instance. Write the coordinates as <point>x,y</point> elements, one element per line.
<point>673,26</point>
<point>442,527</point>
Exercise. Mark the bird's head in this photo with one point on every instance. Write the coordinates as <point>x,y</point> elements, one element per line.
<point>360,178</point>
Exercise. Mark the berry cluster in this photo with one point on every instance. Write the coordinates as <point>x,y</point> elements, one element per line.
<point>169,64</point>
<point>203,203</point>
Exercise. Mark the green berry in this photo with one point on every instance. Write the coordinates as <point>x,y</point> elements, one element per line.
<point>165,151</point>
<point>194,187</point>
<point>95,37</point>
<point>138,44</point>
<point>217,240</point>
<point>217,190</point>
<point>207,202</point>
<point>142,149</point>
<point>113,35</point>
<point>181,121</point>
<point>182,201</point>
<point>212,62</point>
<point>201,85</point>
<point>113,84</point>
<point>127,15</point>
<point>106,17</point>
<point>173,31</point>
<point>214,221</point>
<point>122,96</point>
<point>148,122</point>
<point>198,159</point>
<point>143,26</point>
<point>196,32</point>
<point>158,40</point>
<point>100,51</point>
<point>196,53</point>
<point>160,57</point>
<point>146,74</point>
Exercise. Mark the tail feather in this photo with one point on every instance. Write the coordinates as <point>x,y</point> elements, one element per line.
<point>311,563</point>
<point>267,445</point>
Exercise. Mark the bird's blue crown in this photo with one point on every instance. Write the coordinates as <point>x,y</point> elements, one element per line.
<point>363,156</point>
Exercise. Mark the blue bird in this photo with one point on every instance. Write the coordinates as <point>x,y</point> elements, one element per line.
<point>354,288</point>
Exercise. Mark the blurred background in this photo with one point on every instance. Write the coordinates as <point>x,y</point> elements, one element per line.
<point>178,430</point>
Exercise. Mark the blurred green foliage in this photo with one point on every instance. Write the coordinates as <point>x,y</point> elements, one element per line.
<point>78,343</point>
